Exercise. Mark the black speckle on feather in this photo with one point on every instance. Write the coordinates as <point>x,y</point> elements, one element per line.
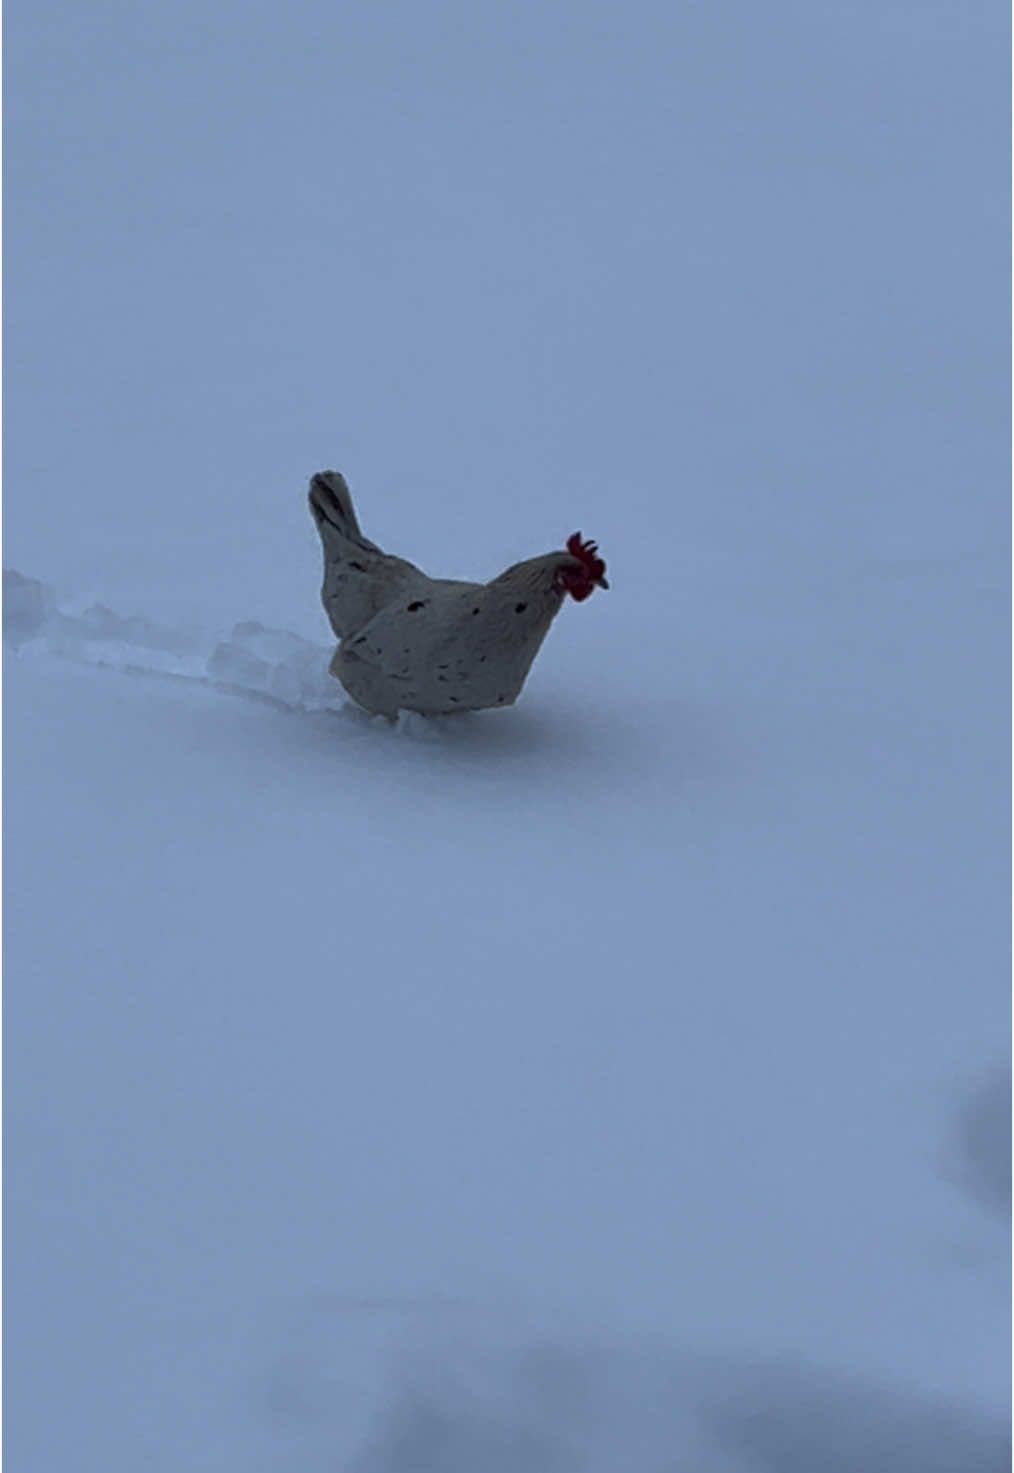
<point>520,608</point>
<point>418,603</point>
<point>358,567</point>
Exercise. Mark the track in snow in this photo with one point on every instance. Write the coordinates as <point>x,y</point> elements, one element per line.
<point>253,660</point>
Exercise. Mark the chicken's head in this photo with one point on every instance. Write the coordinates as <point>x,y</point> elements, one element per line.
<point>586,572</point>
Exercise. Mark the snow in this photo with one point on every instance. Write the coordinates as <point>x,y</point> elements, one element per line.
<point>621,1080</point>
<point>533,1031</point>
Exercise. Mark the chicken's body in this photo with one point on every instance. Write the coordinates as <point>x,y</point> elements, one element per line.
<point>433,645</point>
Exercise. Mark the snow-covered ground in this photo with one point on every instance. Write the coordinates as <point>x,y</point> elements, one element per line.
<point>593,1076</point>
<point>615,1082</point>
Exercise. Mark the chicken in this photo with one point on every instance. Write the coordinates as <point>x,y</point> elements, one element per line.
<point>412,643</point>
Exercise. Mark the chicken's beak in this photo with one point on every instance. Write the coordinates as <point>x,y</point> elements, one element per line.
<point>601,581</point>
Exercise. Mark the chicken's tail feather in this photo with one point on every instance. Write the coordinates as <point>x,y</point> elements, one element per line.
<point>331,507</point>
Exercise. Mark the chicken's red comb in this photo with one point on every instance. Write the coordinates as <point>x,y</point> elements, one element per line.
<point>587,553</point>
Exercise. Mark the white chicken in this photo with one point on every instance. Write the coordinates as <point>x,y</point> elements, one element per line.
<point>434,645</point>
